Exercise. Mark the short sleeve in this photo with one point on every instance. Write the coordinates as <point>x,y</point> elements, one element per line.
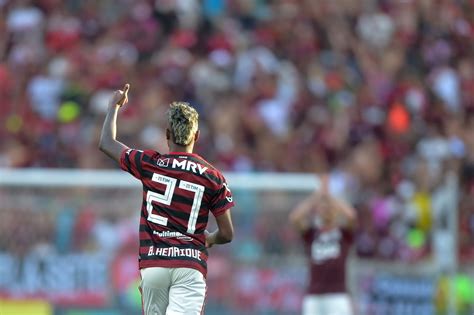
<point>348,235</point>
<point>222,201</point>
<point>308,235</point>
<point>131,162</point>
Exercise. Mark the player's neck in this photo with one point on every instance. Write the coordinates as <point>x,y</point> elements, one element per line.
<point>173,147</point>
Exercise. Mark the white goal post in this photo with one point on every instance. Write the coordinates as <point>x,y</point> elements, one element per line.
<point>118,179</point>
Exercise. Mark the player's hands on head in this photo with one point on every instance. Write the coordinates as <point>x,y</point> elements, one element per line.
<point>324,179</point>
<point>323,191</point>
<point>120,97</point>
<point>321,197</point>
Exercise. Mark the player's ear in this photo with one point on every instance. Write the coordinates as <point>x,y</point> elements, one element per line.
<point>196,136</point>
<point>168,134</point>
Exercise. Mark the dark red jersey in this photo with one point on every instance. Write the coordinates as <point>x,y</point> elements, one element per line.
<point>327,252</point>
<point>179,191</point>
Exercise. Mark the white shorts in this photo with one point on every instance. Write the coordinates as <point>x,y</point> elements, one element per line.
<point>172,291</point>
<point>327,304</point>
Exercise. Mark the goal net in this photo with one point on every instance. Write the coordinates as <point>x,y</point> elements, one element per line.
<point>68,245</point>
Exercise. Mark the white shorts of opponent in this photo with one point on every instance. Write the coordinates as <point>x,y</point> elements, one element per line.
<point>327,304</point>
<point>172,291</point>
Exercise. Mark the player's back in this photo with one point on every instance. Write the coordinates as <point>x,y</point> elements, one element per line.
<point>179,191</point>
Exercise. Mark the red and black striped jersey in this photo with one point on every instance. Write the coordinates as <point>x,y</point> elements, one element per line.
<point>179,191</point>
<point>327,251</point>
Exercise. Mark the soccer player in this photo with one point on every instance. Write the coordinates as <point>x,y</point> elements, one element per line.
<point>179,190</point>
<point>326,225</point>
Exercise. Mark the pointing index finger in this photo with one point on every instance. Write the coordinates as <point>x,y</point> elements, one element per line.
<point>126,88</point>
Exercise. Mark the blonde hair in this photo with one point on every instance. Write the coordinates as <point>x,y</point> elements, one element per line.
<point>183,122</point>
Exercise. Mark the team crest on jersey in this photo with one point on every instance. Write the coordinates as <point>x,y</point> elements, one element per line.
<point>163,162</point>
<point>229,198</point>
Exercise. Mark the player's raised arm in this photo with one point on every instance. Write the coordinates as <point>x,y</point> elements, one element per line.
<point>108,142</point>
<point>301,215</point>
<point>343,212</point>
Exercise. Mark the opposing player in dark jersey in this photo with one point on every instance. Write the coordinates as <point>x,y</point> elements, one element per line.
<point>325,224</point>
<point>179,190</point>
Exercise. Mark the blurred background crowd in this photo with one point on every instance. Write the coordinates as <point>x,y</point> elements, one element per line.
<point>378,93</point>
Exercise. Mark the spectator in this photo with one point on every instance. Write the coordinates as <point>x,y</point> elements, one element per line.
<point>290,86</point>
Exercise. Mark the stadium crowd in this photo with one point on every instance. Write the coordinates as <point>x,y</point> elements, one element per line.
<point>379,93</point>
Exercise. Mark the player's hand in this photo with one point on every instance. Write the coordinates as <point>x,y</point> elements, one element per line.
<point>321,197</point>
<point>323,191</point>
<point>324,178</point>
<point>120,97</point>
<point>209,239</point>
